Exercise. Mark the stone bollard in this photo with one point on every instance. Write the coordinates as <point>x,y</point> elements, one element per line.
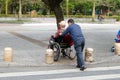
<point>8,54</point>
<point>89,55</point>
<point>117,48</point>
<point>49,56</point>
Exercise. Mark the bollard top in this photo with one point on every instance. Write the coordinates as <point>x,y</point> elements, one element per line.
<point>90,49</point>
<point>49,51</point>
<point>8,48</point>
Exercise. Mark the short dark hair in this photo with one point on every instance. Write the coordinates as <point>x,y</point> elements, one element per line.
<point>70,21</point>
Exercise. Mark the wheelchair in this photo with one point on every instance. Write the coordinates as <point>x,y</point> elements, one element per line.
<point>117,40</point>
<point>60,47</point>
<point>113,48</point>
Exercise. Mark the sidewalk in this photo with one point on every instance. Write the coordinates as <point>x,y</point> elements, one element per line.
<point>29,43</point>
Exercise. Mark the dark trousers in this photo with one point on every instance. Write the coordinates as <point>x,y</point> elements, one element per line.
<point>79,46</point>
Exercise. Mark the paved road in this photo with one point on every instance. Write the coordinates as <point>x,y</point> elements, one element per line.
<point>99,73</point>
<point>29,42</point>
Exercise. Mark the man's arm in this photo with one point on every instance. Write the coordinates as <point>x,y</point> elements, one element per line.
<point>65,32</point>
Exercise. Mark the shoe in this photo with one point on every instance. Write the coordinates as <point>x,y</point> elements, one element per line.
<point>83,68</point>
<point>78,66</point>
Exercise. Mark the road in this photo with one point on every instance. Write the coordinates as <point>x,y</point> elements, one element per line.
<point>29,43</point>
<point>99,73</point>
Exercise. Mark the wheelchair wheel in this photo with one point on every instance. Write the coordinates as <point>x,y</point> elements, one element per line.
<point>112,49</point>
<point>56,49</point>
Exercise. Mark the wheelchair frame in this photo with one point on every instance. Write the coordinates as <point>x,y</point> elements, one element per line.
<point>60,48</point>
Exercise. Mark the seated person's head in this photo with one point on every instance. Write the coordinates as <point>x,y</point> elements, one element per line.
<point>62,24</point>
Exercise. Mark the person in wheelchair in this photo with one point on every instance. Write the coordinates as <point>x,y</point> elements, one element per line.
<point>117,40</point>
<point>61,44</point>
<point>66,39</point>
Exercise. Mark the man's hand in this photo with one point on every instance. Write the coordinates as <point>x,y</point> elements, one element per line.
<point>60,34</point>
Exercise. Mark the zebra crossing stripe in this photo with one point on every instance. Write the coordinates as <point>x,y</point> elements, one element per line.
<point>103,68</point>
<point>95,77</point>
<point>14,74</point>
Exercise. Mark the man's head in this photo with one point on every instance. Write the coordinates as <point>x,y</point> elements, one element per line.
<point>62,24</point>
<point>70,21</point>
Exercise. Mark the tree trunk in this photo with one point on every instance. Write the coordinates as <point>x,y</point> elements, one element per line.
<point>0,11</point>
<point>93,12</point>
<point>59,14</point>
<point>54,5</point>
<point>20,10</point>
<point>6,7</point>
<point>67,10</point>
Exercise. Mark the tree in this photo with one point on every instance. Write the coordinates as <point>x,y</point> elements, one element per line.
<point>1,5</point>
<point>67,10</point>
<point>6,9</point>
<point>54,5</point>
<point>20,10</point>
<point>83,8</point>
<point>93,12</point>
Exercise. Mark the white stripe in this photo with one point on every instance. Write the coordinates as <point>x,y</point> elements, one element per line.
<point>55,71</point>
<point>36,73</point>
<point>96,77</point>
<point>103,68</point>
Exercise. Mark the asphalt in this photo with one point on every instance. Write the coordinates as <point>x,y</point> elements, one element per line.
<point>29,43</point>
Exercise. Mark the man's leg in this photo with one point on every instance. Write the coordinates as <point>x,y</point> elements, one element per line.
<point>80,60</point>
<point>82,45</point>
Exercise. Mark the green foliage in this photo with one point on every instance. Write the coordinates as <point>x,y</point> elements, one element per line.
<point>118,18</point>
<point>44,12</point>
<point>110,14</point>
<point>76,7</point>
<point>83,7</point>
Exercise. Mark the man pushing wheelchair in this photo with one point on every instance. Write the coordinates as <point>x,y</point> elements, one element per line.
<point>72,34</point>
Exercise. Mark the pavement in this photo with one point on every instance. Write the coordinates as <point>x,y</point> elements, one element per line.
<point>29,43</point>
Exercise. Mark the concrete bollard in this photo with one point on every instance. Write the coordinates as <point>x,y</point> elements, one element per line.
<point>8,54</point>
<point>117,49</point>
<point>49,56</point>
<point>89,55</point>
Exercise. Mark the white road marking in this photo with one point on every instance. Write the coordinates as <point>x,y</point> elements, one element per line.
<point>14,74</point>
<point>96,77</point>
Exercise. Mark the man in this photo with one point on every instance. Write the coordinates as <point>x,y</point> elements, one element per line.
<point>79,41</point>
